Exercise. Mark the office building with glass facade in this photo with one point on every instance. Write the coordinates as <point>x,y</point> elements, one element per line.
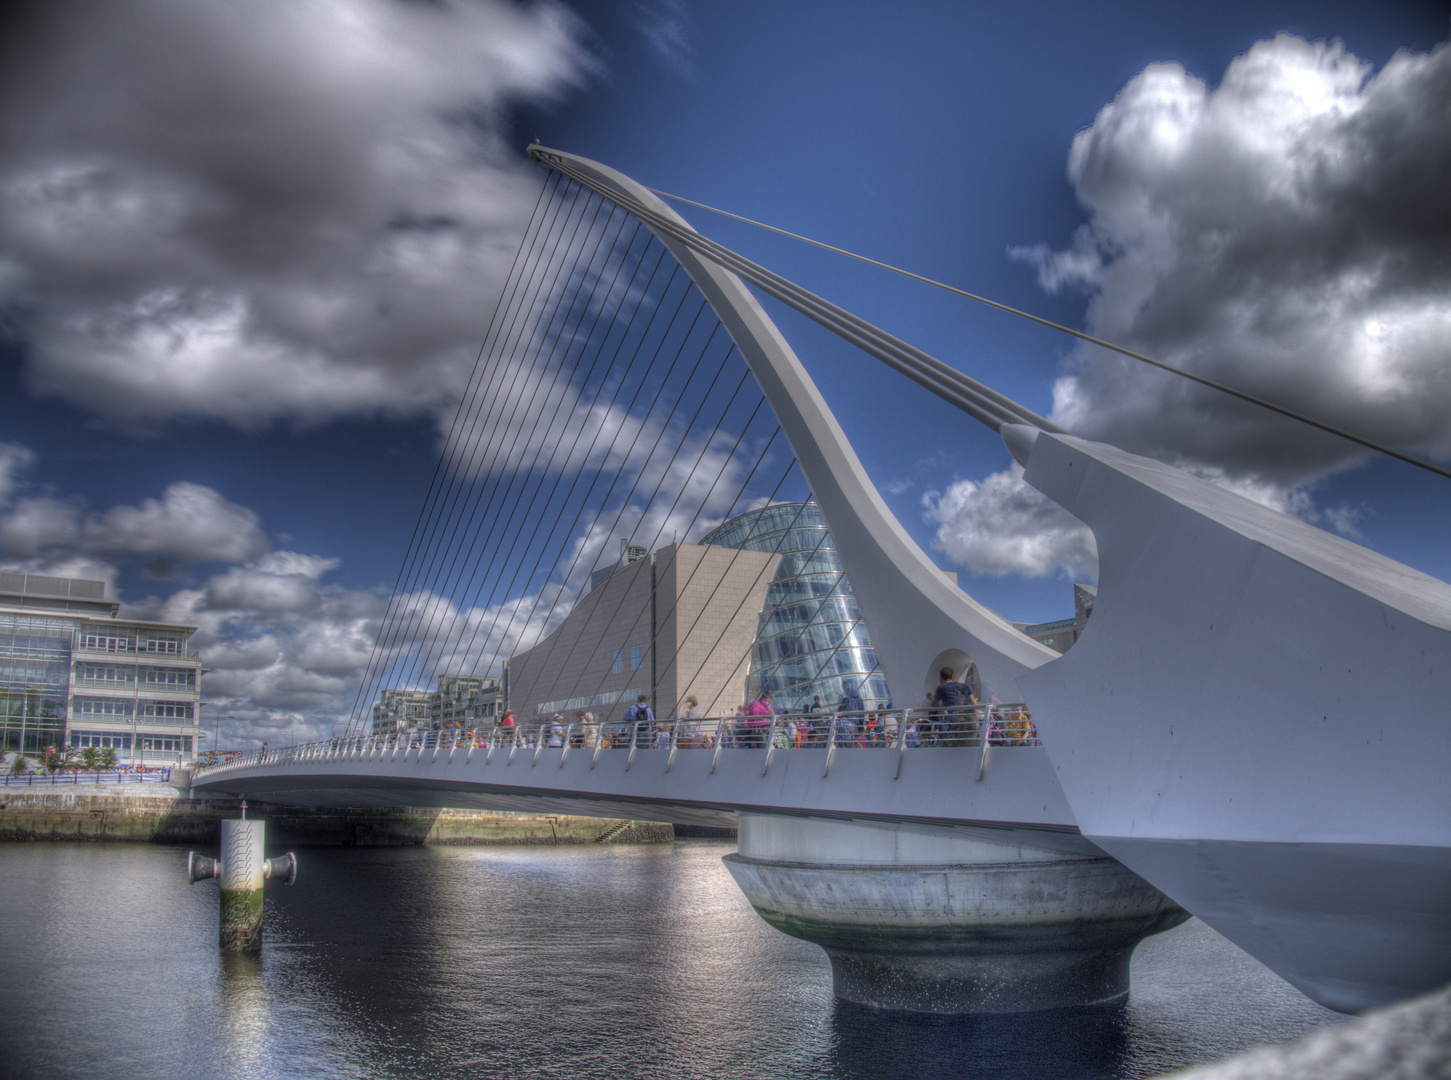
<point>71,672</point>
<point>811,639</point>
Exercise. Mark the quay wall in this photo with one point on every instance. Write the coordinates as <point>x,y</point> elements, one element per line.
<point>111,813</point>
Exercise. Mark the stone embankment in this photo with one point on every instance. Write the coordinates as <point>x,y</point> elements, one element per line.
<point>160,814</point>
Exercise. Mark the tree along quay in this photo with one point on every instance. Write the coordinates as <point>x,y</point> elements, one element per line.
<point>110,813</point>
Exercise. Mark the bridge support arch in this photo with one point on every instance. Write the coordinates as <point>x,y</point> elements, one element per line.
<point>947,922</point>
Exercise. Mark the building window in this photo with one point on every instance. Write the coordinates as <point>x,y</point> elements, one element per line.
<point>160,676</point>
<point>617,662</point>
<point>164,710</point>
<point>104,643</point>
<point>103,708</point>
<point>113,674</point>
<point>636,654</point>
<point>100,739</point>
<point>166,744</point>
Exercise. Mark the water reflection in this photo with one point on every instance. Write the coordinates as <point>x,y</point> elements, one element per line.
<point>520,962</point>
<point>1081,1044</point>
<point>244,1013</point>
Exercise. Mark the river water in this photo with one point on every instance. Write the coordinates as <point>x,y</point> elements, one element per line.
<point>577,962</point>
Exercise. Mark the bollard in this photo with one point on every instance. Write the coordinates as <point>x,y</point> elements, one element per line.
<point>240,872</point>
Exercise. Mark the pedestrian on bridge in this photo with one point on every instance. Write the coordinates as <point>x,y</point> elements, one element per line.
<point>690,735</point>
<point>637,714</point>
<point>951,699</point>
<point>757,720</point>
<point>849,715</point>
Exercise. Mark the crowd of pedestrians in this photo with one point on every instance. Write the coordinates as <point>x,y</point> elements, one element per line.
<point>952,715</point>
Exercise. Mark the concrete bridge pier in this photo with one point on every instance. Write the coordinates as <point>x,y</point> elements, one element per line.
<point>945,922</point>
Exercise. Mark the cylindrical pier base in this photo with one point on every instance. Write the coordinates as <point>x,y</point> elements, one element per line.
<point>243,843</point>
<point>949,924</point>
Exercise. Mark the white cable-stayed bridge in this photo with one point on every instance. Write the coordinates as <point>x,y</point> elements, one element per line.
<point>1250,729</point>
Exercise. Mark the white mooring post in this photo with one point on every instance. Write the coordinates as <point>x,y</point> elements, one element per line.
<point>240,872</point>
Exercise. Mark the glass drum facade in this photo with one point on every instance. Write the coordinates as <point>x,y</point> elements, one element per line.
<point>811,639</point>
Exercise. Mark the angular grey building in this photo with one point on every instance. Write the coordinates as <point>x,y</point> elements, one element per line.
<point>677,623</point>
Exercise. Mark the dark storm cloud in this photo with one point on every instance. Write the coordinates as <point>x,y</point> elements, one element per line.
<point>264,208</point>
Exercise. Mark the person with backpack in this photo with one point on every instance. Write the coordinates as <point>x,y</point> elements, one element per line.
<point>849,715</point>
<point>951,699</point>
<point>637,714</point>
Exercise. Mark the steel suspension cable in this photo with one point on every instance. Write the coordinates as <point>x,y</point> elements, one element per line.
<point>549,468</point>
<point>975,398</point>
<point>625,504</point>
<point>583,548</point>
<point>475,559</point>
<point>642,341</point>
<point>552,176</point>
<point>443,630</point>
<point>561,211</point>
<point>428,607</point>
<point>666,472</point>
<point>564,537</point>
<point>1102,343</point>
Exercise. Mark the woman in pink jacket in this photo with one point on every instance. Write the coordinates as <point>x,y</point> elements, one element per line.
<point>758,720</point>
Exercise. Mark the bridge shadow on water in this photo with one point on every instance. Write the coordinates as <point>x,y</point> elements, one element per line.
<point>1081,1044</point>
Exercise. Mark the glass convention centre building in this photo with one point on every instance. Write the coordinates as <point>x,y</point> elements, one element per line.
<point>811,639</point>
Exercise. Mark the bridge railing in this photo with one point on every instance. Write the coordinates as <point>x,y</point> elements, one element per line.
<point>879,729</point>
<point>76,777</point>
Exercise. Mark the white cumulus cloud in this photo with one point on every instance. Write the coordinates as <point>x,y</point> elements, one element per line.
<point>1001,525</point>
<point>1287,232</point>
<point>265,208</point>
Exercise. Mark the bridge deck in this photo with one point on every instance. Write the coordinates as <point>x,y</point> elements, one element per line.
<point>1018,798</point>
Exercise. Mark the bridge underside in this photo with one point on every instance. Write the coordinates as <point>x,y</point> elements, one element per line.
<point>1016,802</point>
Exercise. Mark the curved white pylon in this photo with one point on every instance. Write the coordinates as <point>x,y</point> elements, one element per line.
<point>913,612</point>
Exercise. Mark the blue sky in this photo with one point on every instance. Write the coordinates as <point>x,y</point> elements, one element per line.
<point>226,364</point>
